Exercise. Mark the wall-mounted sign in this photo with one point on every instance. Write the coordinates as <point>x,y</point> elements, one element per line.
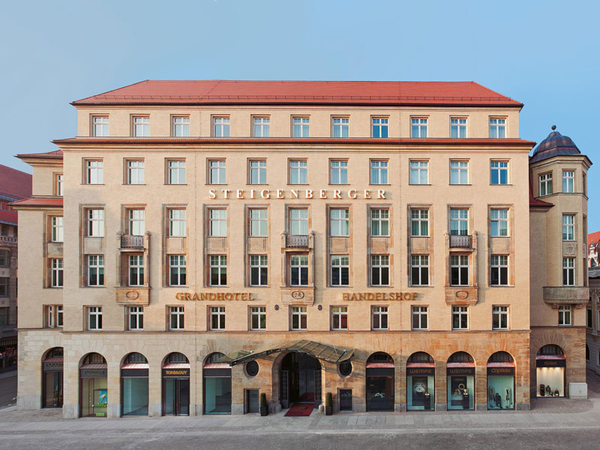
<point>428,371</point>
<point>214,296</point>
<point>551,363</point>
<point>176,373</point>
<point>53,366</point>
<point>93,373</point>
<point>307,194</point>
<point>378,296</point>
<point>500,371</point>
<point>461,370</point>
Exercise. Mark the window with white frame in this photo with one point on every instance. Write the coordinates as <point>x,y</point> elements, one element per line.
<point>298,172</point>
<point>299,270</point>
<point>568,227</point>
<point>459,270</point>
<point>498,222</point>
<point>497,128</point>
<point>419,270</point>
<point>499,270</point>
<point>57,272</point>
<point>259,222</point>
<point>261,126</point>
<point>136,270</point>
<point>58,230</point>
<point>299,221</point>
<point>218,270</point>
<point>379,172</point>
<point>259,270</point>
<point>419,317</point>
<point>419,172</point>
<point>141,126</point>
<point>135,172</point>
<point>137,222</point>
<point>568,271</point>
<point>564,315</point>
<point>136,317</point>
<point>217,317</point>
<point>299,317</point>
<point>177,270</point>
<point>340,270</point>
<point>419,222</point>
<point>177,223</point>
<point>54,316</point>
<point>380,222</point>
<point>176,318</point>
<point>94,171</point>
<point>221,126</point>
<point>217,171</point>
<point>95,222</point>
<point>218,222</point>
<point>339,222</point>
<point>95,266</point>
<point>339,318</point>
<point>181,126</point>
<point>258,172</point>
<point>458,128</point>
<point>338,173</point>
<point>176,174</point>
<point>258,318</point>
<point>459,172</point>
<point>500,317</point>
<point>59,316</point>
<point>499,172</point>
<point>460,317</point>
<point>568,178</point>
<point>340,126</point>
<point>379,127</point>
<point>59,184</point>
<point>459,222</point>
<point>4,258</point>
<point>100,126</point>
<point>418,127</point>
<point>301,126</point>
<point>380,270</point>
<point>379,317</point>
<point>545,182</point>
<point>94,321</point>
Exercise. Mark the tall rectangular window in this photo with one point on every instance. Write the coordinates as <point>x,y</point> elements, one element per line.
<point>137,222</point>
<point>564,315</point>
<point>341,126</point>
<point>499,272</point>
<point>379,317</point>
<point>259,223</point>
<point>58,230</point>
<point>380,270</point>
<point>340,270</point>
<point>218,223</point>
<point>419,317</point>
<point>379,172</point>
<point>459,222</point>
<point>299,222</point>
<point>141,126</point>
<point>418,127</point>
<point>568,271</point>
<point>339,318</point>
<point>459,270</point>
<point>419,172</point>
<point>419,270</point>
<point>217,172</point>
<point>500,317</point>
<point>499,222</point>
<point>338,172</point>
<point>545,180</point>
<point>181,126</point>
<point>94,321</point>
<point>459,172</point>
<point>339,222</point>
<point>258,172</point>
<point>176,170</point>
<point>95,222</point>
<point>379,127</point>
<point>460,317</point>
<point>177,223</point>
<point>261,126</point>
<point>57,272</point>
<point>135,172</point>
<point>217,318</point>
<point>568,227</point>
<point>94,172</point>
<point>259,270</point>
<point>95,275</point>
<point>100,126</point>
<point>380,222</point>
<point>298,172</point>
<point>458,128</point>
<point>568,179</point>
<point>4,286</point>
<point>301,126</point>
<point>59,184</point>
<point>299,317</point>
<point>499,172</point>
<point>299,270</point>
<point>177,270</point>
<point>218,270</point>
<point>221,126</point>
<point>258,318</point>
<point>136,270</point>
<point>176,318</point>
<point>136,318</point>
<point>419,222</point>
<point>497,128</point>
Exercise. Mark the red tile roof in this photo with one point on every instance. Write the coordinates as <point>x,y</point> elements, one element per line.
<point>534,202</point>
<point>9,217</point>
<point>44,202</point>
<point>594,237</point>
<point>301,92</point>
<point>14,183</point>
<point>56,154</point>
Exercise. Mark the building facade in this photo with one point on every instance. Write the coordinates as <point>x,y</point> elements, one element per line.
<point>229,239</point>
<point>592,349</point>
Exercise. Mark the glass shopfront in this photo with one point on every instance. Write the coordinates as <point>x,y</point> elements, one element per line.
<point>550,371</point>
<point>52,379</point>
<point>460,371</point>
<point>501,381</point>
<point>380,382</point>
<point>420,382</point>
<point>134,385</point>
<point>217,385</point>
<point>93,397</point>
<point>176,385</point>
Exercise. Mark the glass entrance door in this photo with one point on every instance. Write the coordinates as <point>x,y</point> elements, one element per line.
<point>176,396</point>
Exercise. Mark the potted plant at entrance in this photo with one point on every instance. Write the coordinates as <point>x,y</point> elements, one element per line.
<point>328,404</point>
<point>264,407</point>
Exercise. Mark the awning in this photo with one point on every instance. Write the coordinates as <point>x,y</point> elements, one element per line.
<point>217,365</point>
<point>94,366</point>
<point>181,365</point>
<point>501,364</point>
<point>327,353</point>
<point>550,357</point>
<point>420,364</point>
<point>380,365</point>
<point>460,364</point>
<point>136,366</point>
<point>56,359</point>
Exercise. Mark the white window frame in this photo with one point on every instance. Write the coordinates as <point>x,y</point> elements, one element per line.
<point>58,229</point>
<point>565,316</point>
<point>298,221</point>
<point>177,318</point>
<point>338,312</point>
<point>461,313</point>
<point>568,227</point>
<point>94,316</point>
<point>177,270</point>
<point>218,265</point>
<point>499,166</point>
<point>381,312</point>
<point>221,126</point>
<point>340,264</point>
<point>379,171</point>
<point>135,171</point>
<point>217,169</point>
<point>339,222</point>
<point>94,171</point>
<point>259,222</point>
<point>57,272</point>
<point>258,171</point>
<point>135,263</point>
<point>218,222</point>
<point>419,217</point>
<point>459,216</point>
<point>545,184</point>
<point>141,126</point>
<point>177,222</point>
<point>499,216</point>
<point>95,222</point>
<point>100,126</point>
<point>502,313</point>
<point>420,313</point>
<point>258,318</point>
<point>380,222</point>
<point>499,264</point>
<point>569,271</point>
<point>419,172</point>
<point>419,127</point>
<point>296,315</point>
<point>135,318</point>
<point>459,172</point>
<point>95,270</point>
<point>181,126</point>
<point>458,128</point>
<point>176,171</point>
<point>298,171</point>
<point>420,263</point>
<point>136,219</point>
<point>340,127</point>
<point>300,127</point>
<point>261,126</point>
<point>217,318</point>
<point>338,171</point>
<point>381,124</point>
<point>259,266</point>
<point>59,184</point>
<point>460,262</point>
<point>299,264</point>
<point>497,127</point>
<point>380,263</point>
<point>568,181</point>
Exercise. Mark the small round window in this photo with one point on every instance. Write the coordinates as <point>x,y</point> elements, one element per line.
<point>345,368</point>
<point>251,368</point>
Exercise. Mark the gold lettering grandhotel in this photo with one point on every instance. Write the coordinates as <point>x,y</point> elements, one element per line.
<point>200,243</point>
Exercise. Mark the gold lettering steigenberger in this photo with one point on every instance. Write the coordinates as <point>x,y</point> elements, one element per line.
<point>214,296</point>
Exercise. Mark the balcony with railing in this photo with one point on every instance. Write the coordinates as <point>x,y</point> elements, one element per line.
<point>461,241</point>
<point>132,242</point>
<point>297,241</point>
<point>8,240</point>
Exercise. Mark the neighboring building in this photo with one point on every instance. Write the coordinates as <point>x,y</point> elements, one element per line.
<point>592,349</point>
<point>594,249</point>
<point>14,185</point>
<point>230,238</point>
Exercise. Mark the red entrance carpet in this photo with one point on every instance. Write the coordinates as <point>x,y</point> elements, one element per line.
<point>300,409</point>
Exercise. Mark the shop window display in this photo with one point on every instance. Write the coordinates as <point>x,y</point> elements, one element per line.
<point>380,382</point>
<point>217,385</point>
<point>460,371</point>
<point>52,388</point>
<point>550,371</point>
<point>420,382</point>
<point>176,385</point>
<point>501,381</point>
<point>134,383</point>
<point>94,391</point>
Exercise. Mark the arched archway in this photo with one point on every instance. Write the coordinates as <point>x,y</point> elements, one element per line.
<point>420,382</point>
<point>93,394</point>
<point>52,378</point>
<point>217,384</point>
<point>299,379</point>
<point>134,385</point>
<point>501,381</point>
<point>380,382</point>
<point>176,385</point>
<point>551,366</point>
<point>460,371</point>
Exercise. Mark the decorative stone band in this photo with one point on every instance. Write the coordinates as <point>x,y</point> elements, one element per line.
<point>378,296</point>
<point>214,296</point>
<point>308,194</point>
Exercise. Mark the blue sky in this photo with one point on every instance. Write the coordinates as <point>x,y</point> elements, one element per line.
<point>545,54</point>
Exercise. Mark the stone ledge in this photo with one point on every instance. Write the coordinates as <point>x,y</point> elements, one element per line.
<point>566,295</point>
<point>133,295</point>
<point>461,295</point>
